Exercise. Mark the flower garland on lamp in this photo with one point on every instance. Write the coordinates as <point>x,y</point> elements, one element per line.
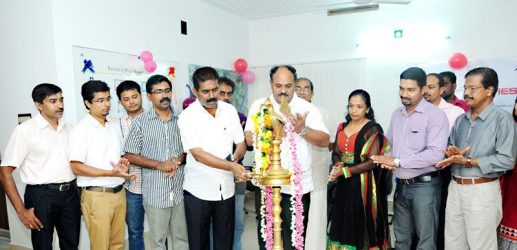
<point>263,134</point>
<point>297,226</point>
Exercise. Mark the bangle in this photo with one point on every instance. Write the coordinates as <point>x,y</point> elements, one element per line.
<point>346,172</point>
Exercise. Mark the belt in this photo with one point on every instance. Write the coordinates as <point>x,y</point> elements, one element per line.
<point>104,189</point>
<point>467,181</point>
<point>65,186</point>
<point>419,179</point>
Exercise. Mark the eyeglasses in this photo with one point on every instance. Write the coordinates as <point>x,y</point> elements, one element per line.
<point>102,100</point>
<point>161,91</point>
<point>304,90</point>
<point>471,89</point>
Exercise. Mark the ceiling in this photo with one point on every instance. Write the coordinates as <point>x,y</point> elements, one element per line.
<point>257,9</point>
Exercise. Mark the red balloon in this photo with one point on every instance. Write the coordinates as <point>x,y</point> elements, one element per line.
<point>240,65</point>
<point>458,61</point>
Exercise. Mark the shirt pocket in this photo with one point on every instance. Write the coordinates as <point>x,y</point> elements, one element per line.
<point>417,139</point>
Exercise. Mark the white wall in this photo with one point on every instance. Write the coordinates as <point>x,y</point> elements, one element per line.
<point>37,37</point>
<point>27,59</point>
<point>480,29</point>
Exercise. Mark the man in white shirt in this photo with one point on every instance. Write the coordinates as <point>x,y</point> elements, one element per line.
<point>94,154</point>
<point>209,128</point>
<point>310,130</point>
<point>321,160</point>
<point>38,148</point>
<point>433,91</point>
<point>130,96</point>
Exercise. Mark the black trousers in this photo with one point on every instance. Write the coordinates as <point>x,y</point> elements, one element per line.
<point>286,218</point>
<point>200,213</point>
<point>55,209</point>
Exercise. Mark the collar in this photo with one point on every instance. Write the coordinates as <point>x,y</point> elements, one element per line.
<point>200,109</point>
<point>125,116</point>
<point>484,114</point>
<point>443,103</point>
<point>291,104</point>
<point>94,121</point>
<point>421,107</point>
<point>153,115</point>
<point>41,123</point>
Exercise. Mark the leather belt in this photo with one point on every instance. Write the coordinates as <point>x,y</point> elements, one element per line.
<point>419,179</point>
<point>468,181</point>
<point>104,189</point>
<point>65,186</point>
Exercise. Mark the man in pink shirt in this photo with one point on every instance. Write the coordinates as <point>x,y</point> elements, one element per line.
<point>449,90</point>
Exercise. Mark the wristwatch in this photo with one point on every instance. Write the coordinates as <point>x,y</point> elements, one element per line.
<point>303,132</point>
<point>468,164</point>
<point>397,162</point>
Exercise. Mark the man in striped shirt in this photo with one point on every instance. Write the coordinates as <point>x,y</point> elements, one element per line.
<point>154,144</point>
<point>130,96</point>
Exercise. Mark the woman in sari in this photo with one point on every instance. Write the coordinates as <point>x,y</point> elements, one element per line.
<point>359,210</point>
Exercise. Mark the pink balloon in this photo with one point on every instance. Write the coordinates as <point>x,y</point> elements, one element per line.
<point>240,65</point>
<point>458,61</point>
<point>146,56</point>
<point>248,77</point>
<point>150,66</point>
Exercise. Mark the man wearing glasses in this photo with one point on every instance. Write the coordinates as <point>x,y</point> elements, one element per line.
<point>482,147</point>
<point>154,144</point>
<point>94,152</point>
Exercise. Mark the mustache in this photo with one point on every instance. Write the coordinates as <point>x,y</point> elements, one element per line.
<point>165,99</point>
<point>213,99</point>
<point>283,94</point>
<point>404,98</point>
<point>468,97</point>
<point>60,110</point>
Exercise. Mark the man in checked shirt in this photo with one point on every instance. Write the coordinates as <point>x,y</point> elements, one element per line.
<point>130,96</point>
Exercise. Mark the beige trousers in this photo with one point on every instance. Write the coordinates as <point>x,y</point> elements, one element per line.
<point>472,216</point>
<point>104,215</point>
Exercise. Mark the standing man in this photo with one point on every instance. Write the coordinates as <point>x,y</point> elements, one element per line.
<point>433,90</point>
<point>449,89</point>
<point>310,130</point>
<point>418,135</point>
<point>226,88</point>
<point>154,144</point>
<point>321,160</point>
<point>130,96</point>
<point>94,153</point>
<point>483,145</point>
<point>209,129</point>
<point>38,148</point>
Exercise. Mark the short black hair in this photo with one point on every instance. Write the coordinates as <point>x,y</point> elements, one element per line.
<point>441,82</point>
<point>43,90</point>
<point>306,79</point>
<point>415,74</point>
<point>204,74</point>
<point>127,85</point>
<point>91,87</point>
<point>275,69</point>
<point>513,113</point>
<point>226,81</point>
<point>156,79</point>
<point>490,78</point>
<point>449,75</point>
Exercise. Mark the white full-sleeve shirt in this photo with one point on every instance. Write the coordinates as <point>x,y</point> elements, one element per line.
<point>215,135</point>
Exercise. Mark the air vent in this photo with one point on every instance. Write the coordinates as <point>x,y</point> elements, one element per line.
<point>355,9</point>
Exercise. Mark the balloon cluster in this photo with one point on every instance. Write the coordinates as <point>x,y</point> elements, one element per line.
<point>149,64</point>
<point>241,66</point>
